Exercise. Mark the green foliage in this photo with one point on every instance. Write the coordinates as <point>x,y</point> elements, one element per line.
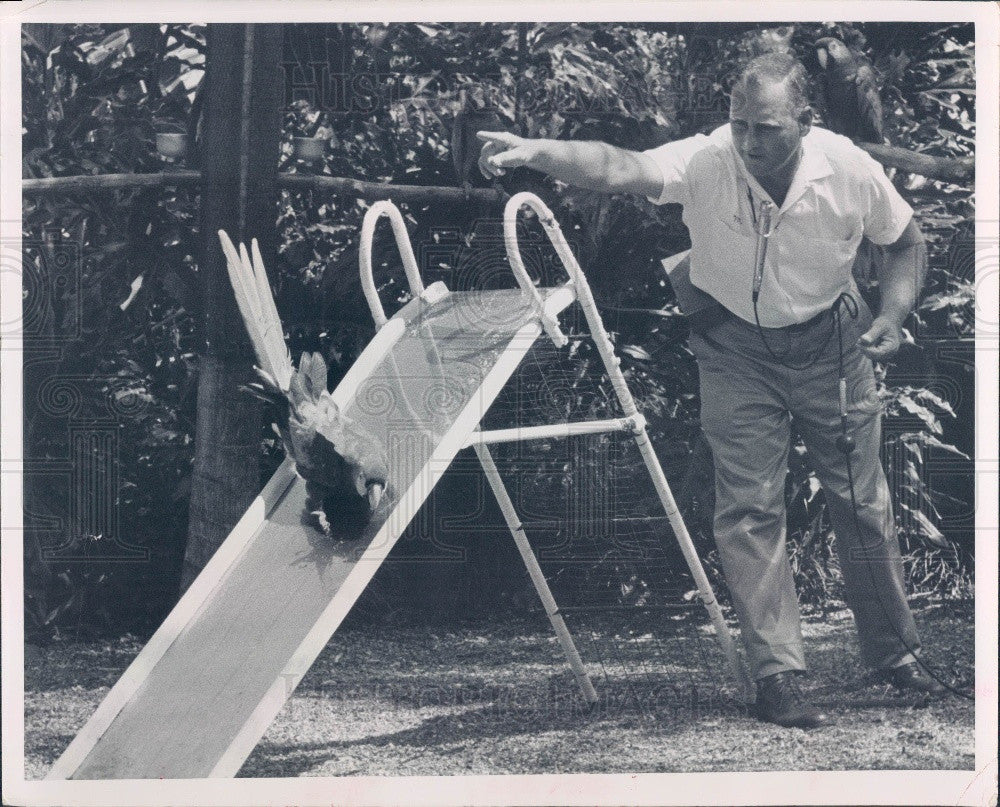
<point>128,327</point>
<point>114,291</point>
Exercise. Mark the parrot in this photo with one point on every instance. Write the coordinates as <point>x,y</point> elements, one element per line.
<point>853,105</point>
<point>478,115</point>
<point>471,118</point>
<point>853,109</point>
<point>344,465</point>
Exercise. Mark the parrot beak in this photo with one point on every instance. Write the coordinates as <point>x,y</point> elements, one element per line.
<point>822,55</point>
<point>375,491</point>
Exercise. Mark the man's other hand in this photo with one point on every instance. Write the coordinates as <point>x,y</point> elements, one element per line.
<point>882,340</point>
<point>502,150</point>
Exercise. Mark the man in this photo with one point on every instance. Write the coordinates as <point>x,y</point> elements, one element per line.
<point>774,358</point>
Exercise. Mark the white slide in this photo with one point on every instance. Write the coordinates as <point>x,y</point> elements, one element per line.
<point>202,692</point>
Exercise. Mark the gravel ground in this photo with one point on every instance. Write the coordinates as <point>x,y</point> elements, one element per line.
<point>495,697</point>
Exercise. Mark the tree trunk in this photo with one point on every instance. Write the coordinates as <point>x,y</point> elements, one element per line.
<point>239,172</point>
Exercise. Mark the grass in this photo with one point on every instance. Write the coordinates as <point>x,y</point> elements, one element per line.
<point>495,697</point>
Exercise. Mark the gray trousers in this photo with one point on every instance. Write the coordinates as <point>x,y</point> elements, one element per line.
<point>748,404</point>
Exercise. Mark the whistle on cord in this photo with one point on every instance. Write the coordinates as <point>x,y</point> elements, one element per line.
<point>764,230</point>
<point>844,442</point>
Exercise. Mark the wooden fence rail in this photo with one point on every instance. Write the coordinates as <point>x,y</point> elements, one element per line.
<point>370,191</point>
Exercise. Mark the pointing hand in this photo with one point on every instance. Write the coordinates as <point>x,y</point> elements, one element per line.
<point>502,150</point>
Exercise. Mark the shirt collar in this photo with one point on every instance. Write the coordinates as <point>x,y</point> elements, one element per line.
<point>813,166</point>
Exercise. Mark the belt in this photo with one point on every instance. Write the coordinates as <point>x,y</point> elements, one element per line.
<point>798,327</point>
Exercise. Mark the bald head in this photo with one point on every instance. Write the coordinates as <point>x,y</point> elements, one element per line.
<point>774,70</point>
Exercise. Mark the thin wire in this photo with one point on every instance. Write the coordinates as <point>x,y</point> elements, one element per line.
<point>857,529</point>
<point>843,298</point>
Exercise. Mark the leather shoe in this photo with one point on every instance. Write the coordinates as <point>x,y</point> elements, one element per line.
<point>911,677</point>
<point>779,700</point>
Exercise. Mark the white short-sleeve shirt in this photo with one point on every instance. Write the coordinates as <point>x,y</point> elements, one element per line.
<point>838,194</point>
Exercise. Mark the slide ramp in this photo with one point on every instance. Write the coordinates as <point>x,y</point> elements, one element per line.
<point>199,696</point>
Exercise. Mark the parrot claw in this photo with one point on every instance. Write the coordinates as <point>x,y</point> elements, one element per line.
<point>375,492</point>
<point>322,523</point>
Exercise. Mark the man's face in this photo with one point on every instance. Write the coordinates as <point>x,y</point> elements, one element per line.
<point>766,133</point>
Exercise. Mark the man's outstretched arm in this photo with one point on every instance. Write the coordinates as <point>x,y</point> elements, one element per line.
<point>586,164</point>
<point>901,277</point>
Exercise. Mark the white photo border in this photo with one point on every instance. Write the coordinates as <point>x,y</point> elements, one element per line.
<point>801,787</point>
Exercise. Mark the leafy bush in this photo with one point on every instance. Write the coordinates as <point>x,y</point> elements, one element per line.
<point>111,284</point>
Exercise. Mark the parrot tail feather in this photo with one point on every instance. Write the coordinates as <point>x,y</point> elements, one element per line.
<point>256,304</point>
<point>270,395</point>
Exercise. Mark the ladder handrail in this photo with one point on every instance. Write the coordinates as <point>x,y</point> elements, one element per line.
<point>375,212</point>
<point>513,207</point>
<point>577,278</point>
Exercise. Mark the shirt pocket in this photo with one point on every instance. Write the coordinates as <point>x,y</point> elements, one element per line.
<point>718,240</point>
<point>812,269</point>
<point>829,251</point>
<point>737,226</point>
<point>729,248</point>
